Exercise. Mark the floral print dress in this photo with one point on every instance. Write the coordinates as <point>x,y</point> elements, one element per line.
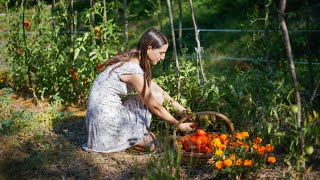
<point>116,117</point>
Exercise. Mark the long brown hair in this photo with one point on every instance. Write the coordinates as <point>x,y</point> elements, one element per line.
<point>151,37</point>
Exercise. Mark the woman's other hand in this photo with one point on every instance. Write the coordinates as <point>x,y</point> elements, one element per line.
<point>188,126</point>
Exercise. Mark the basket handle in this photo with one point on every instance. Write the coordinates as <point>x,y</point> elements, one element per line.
<point>227,120</point>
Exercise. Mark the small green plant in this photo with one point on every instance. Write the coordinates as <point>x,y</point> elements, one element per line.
<point>5,79</point>
<point>11,121</point>
<point>165,164</point>
<point>5,112</point>
<point>288,141</point>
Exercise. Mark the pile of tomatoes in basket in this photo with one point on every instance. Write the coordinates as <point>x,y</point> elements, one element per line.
<point>200,142</point>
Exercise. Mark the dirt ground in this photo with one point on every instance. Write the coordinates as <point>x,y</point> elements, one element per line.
<point>74,163</point>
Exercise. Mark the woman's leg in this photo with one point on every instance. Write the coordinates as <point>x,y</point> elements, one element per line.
<point>148,143</point>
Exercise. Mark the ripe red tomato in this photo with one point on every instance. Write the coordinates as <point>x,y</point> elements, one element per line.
<point>201,132</point>
<point>75,76</point>
<point>26,24</point>
<point>20,51</point>
<point>193,137</point>
<point>187,145</point>
<point>198,142</point>
<point>71,71</point>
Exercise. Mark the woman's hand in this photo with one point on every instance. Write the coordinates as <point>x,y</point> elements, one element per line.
<point>184,113</point>
<point>188,126</point>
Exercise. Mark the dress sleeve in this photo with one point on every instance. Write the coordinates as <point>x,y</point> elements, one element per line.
<point>129,68</point>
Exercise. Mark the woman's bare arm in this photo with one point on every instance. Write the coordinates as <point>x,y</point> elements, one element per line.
<point>167,97</point>
<point>142,88</point>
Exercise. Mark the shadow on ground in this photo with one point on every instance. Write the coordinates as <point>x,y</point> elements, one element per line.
<point>44,155</point>
<point>72,128</point>
<point>120,165</point>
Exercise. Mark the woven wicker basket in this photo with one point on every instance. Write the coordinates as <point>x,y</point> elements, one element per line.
<point>197,159</point>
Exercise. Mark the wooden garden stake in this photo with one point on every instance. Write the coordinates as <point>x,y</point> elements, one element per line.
<point>52,14</point>
<point>174,45</point>
<point>125,11</point>
<point>160,15</point>
<point>71,33</point>
<point>295,83</point>
<point>198,48</point>
<point>267,34</point>
<point>116,12</point>
<point>180,25</point>
<point>105,22</point>
<point>93,21</point>
<point>38,9</point>
<point>309,53</point>
<point>25,44</point>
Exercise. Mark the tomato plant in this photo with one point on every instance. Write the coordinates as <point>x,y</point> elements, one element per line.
<point>51,61</point>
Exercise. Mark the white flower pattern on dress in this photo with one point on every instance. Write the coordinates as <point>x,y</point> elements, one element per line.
<point>116,118</point>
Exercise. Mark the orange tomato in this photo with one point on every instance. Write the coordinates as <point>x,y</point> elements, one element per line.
<point>71,71</point>
<point>193,137</point>
<point>97,29</point>
<point>201,132</point>
<point>20,51</point>
<point>198,142</point>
